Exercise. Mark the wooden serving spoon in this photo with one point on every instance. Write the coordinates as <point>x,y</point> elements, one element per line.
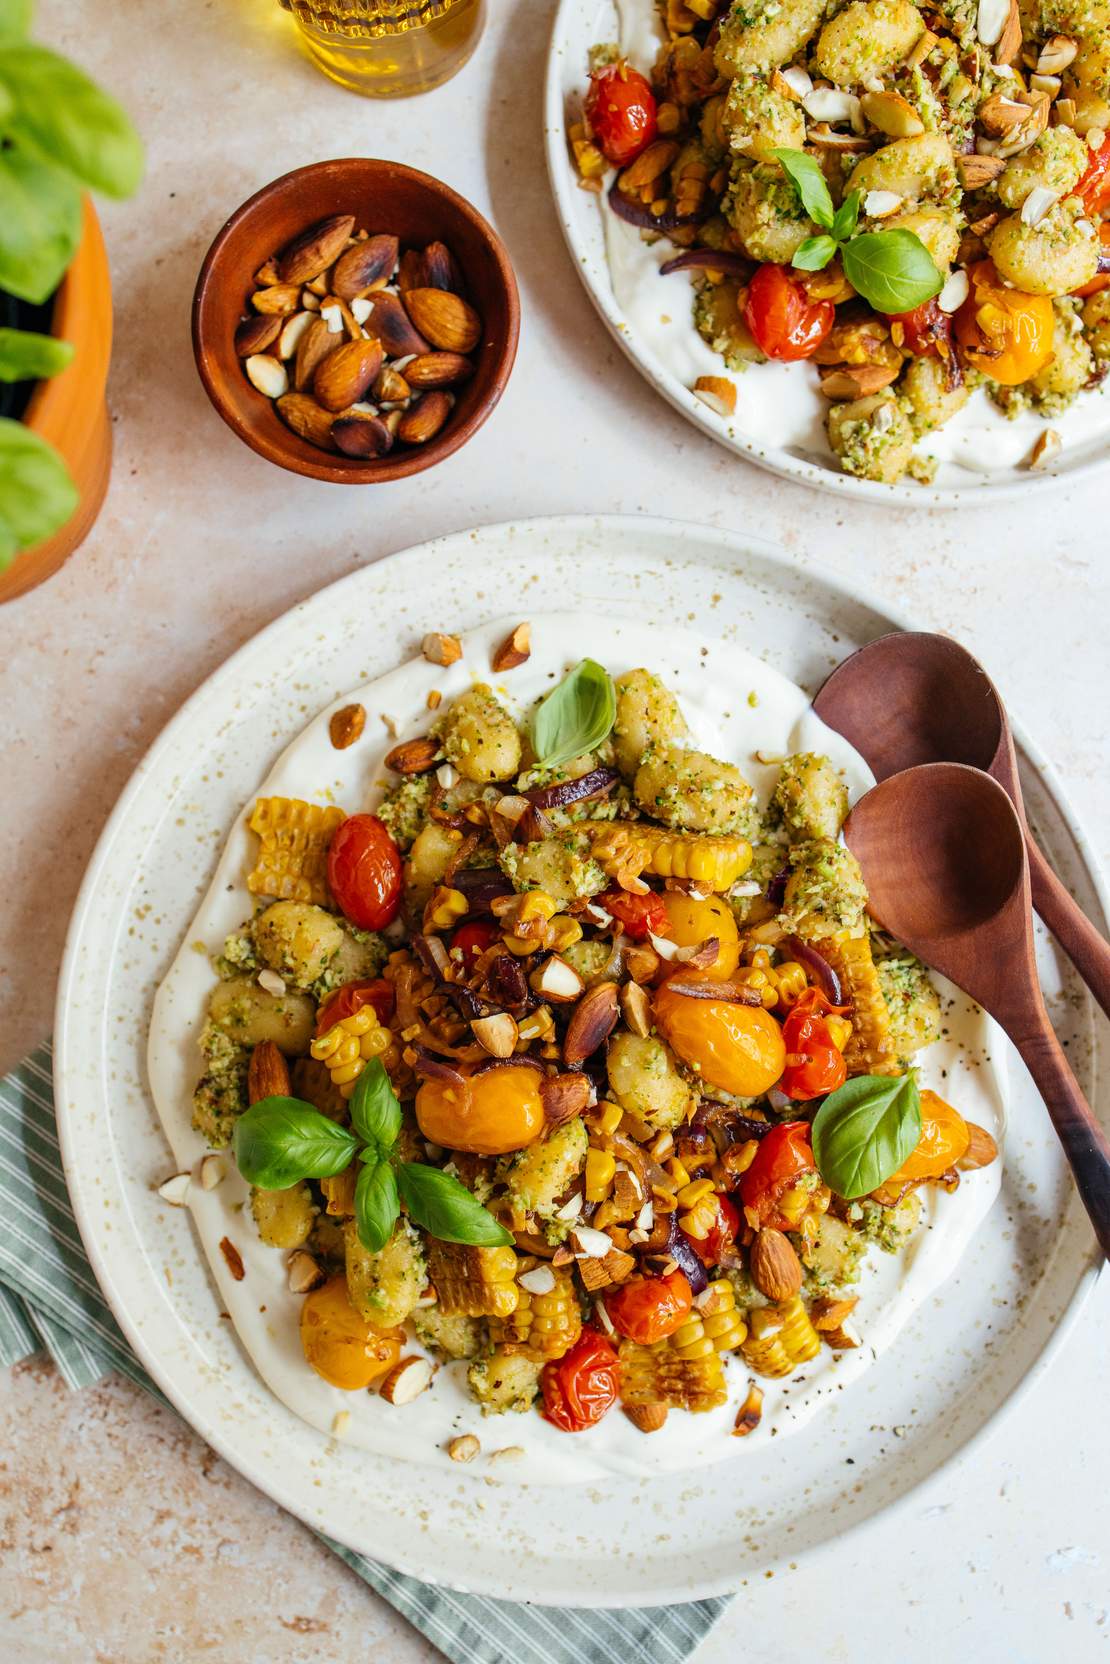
<point>943,856</point>
<point>913,697</point>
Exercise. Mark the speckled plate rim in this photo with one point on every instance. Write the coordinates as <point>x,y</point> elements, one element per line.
<point>774,458</point>
<point>71,1043</point>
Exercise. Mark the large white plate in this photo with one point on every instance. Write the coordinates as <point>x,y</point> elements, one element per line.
<point>958,1362</point>
<point>581,24</point>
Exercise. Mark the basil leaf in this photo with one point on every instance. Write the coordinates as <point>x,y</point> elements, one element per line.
<point>376,1205</point>
<point>15,18</point>
<point>278,1141</point>
<point>804,173</point>
<point>575,716</point>
<point>846,216</point>
<point>25,356</point>
<point>375,1112</point>
<point>814,254</point>
<point>892,270</point>
<point>864,1131</point>
<point>40,211</point>
<point>37,495</point>
<point>62,117</point>
<point>446,1209</point>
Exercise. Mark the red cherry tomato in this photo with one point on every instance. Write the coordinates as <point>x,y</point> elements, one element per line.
<point>1102,281</point>
<point>638,915</point>
<point>814,1063</point>
<point>710,1248</point>
<point>648,1309</point>
<point>375,991</point>
<point>922,330</point>
<point>471,940</point>
<point>620,108</point>
<point>364,871</point>
<point>783,1156</point>
<point>1094,185</point>
<point>785,323</point>
<point>581,1386</point>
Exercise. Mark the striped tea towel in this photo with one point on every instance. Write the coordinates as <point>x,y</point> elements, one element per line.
<point>49,1299</point>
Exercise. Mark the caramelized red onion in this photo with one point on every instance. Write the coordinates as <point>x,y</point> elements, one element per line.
<point>481,886</point>
<point>823,973</point>
<point>736,993</point>
<point>430,1067</point>
<point>634,213</point>
<point>692,259</point>
<point>432,955</point>
<point>776,889</point>
<point>599,782</point>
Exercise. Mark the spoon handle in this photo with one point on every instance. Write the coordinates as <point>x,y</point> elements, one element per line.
<point>1087,950</point>
<point>1085,1144</point>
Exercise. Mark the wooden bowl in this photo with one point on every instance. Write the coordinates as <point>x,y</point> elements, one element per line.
<point>384,197</point>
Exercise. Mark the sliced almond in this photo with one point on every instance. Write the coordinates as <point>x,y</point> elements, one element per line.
<point>507,1454</point>
<point>1057,54</point>
<point>267,275</point>
<point>749,1414</point>
<point>175,1190</point>
<point>593,1245</point>
<point>824,137</point>
<point>441,649</point>
<point>1009,44</point>
<point>829,1312</point>
<point>557,981</point>
<point>1037,204</point>
<point>636,1009</point>
<point>212,1171</point>
<point>272,982</point>
<point>879,205</point>
<point>390,388</point>
<point>515,650</point>
<point>792,83</point>
<point>540,1280</point>
<point>892,114</point>
<point>407,1380</point>
<point>291,333</point>
<point>267,374</point>
<point>1045,451</point>
<point>718,392</point>
<point>497,1034</point>
<point>856,381</point>
<point>990,20</point>
<point>303,1272</point>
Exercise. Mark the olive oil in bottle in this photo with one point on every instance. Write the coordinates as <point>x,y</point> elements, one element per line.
<point>389,48</point>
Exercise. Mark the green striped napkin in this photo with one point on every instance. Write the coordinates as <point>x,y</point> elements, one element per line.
<point>49,1299</point>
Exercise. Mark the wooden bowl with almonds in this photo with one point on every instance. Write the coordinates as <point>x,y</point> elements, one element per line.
<point>324,289</point>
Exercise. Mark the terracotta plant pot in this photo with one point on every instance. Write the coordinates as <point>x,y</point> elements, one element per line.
<point>69,410</point>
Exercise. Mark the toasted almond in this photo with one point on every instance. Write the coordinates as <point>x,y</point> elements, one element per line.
<point>406,1380</point>
<point>391,323</point>
<point>1056,55</point>
<point>437,269</point>
<point>314,249</point>
<point>303,1272</point>
<point>444,318</point>
<point>976,171</point>
<point>591,1244</point>
<point>267,374</point>
<point>794,84</point>
<point>314,346</point>
<point>346,725</point>
<point>775,1268</point>
<point>540,1280</point>
<point>309,301</point>
<point>921,49</point>
<point>291,333</point>
<point>255,334</point>
<point>557,981</point>
<point>892,115</point>
<point>999,114</point>
<point>507,1454</point>
<point>464,1448</point>
<point>749,1414</point>
<point>982,1149</point>
<point>1037,204</point>
<point>271,981</point>
<point>496,1034</point>
<point>592,1022</point>
<point>856,381</point>
<point>1009,44</point>
<point>564,1097</point>
<point>641,962</point>
<point>879,205</point>
<point>175,1190</point>
<point>649,1418</point>
<point>414,756</point>
<point>279,298</point>
<point>321,285</point>
<point>438,369</point>
<point>990,20</point>
<point>307,419</point>
<point>718,392</point>
<point>844,1339</point>
<point>411,271</point>
<point>232,1258</point>
<point>345,374</point>
<point>267,1073</point>
<point>832,105</point>
<point>516,649</point>
<point>651,164</point>
<point>426,416</point>
<point>389,387</point>
<point>267,275</point>
<point>362,436</point>
<point>829,1313</point>
<point>955,291</point>
<point>364,266</point>
<point>212,1171</point>
<point>636,1009</point>
<point>441,649</point>
<point>824,137</point>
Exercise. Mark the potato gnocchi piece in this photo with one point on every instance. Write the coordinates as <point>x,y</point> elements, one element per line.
<point>764,34</point>
<point>692,791</point>
<point>758,120</point>
<point>919,169</point>
<point>644,1076</point>
<point>539,1175</point>
<point>1054,163</point>
<point>810,797</point>
<point>648,715</point>
<point>867,40</point>
<point>1054,257</point>
<point>932,396</point>
<point>298,940</point>
<point>249,1015</point>
<point>480,737</point>
<point>872,437</point>
<point>506,1380</point>
<point>763,209</point>
<point>385,1286</point>
<point>285,1218</point>
<point>825,892</point>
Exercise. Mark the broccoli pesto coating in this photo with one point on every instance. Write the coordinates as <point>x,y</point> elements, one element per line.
<point>825,892</point>
<point>810,797</point>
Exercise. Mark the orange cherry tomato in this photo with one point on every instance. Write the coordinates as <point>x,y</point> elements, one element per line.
<point>375,991</point>
<point>723,1234</point>
<point>339,1343</point>
<point>638,916</point>
<point>783,1156</point>
<point>581,1386</point>
<point>737,1048</point>
<point>923,328</point>
<point>620,108</point>
<point>487,1115</point>
<point>1002,332</point>
<point>1094,185</point>
<point>364,871</point>
<point>814,1063</point>
<point>471,940</point>
<point>647,1309</point>
<point>785,323</point>
<point>691,922</point>
<point>1097,284</point>
<point>944,1139</point>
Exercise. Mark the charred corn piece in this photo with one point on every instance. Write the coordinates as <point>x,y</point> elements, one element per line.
<point>654,1374</point>
<point>720,1319</point>
<point>627,849</point>
<point>473,1282</point>
<point>547,1324</point>
<point>292,858</point>
<point>349,1045</point>
<point>780,1338</point>
<point>870,1050</point>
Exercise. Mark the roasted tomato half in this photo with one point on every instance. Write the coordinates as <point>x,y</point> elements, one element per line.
<point>364,872</point>
<point>784,322</point>
<point>782,1158</point>
<point>580,1387</point>
<point>620,108</point>
<point>647,1309</point>
<point>375,991</point>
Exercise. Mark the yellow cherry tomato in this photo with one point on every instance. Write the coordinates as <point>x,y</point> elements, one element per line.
<point>488,1115</point>
<point>339,1344</point>
<point>691,922</point>
<point>737,1048</point>
<point>1003,332</point>
<point>944,1139</point>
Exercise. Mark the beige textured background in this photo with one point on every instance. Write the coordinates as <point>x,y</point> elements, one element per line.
<point>122,1539</point>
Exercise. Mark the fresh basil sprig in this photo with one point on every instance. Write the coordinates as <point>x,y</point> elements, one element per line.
<point>892,270</point>
<point>865,1130</point>
<point>279,1141</point>
<point>575,716</point>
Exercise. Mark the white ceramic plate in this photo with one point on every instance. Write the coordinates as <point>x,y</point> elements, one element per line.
<point>779,418</point>
<point>630,1541</point>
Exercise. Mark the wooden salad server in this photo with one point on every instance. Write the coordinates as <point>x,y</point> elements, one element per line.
<point>943,856</point>
<point>914,697</point>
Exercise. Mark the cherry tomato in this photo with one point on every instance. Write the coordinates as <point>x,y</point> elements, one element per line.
<point>710,1248</point>
<point>471,940</point>
<point>339,1343</point>
<point>375,991</point>
<point>637,915</point>
<point>364,872</point>
<point>785,323</point>
<point>490,1114</point>
<point>1102,281</point>
<point>620,108</point>
<point>783,1156</point>
<point>737,1048</point>
<point>944,1139</point>
<point>814,1063</point>
<point>581,1386</point>
<point>648,1309</point>
<point>922,329</point>
<point>1002,332</point>
<point>1094,186</point>
<point>690,922</point>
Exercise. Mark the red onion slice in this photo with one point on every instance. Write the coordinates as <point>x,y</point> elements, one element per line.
<point>826,977</point>
<point>481,886</point>
<point>735,993</point>
<point>599,782</point>
<point>430,1067</point>
<point>634,213</point>
<point>692,259</point>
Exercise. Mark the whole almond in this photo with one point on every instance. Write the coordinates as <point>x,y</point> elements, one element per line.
<point>312,348</point>
<point>391,323</point>
<point>649,1418</point>
<point>564,1097</point>
<point>306,419</point>
<point>267,1073</point>
<point>515,650</point>
<point>314,249</point>
<point>981,1150</point>
<point>423,420</point>
<point>438,648</point>
<point>438,369</point>
<point>346,726</point>
<point>364,267</point>
<point>592,1022</point>
<point>775,1267</point>
<point>414,756</point>
<point>444,318</point>
<point>266,275</point>
<point>411,273</point>
<point>280,297</point>
<point>256,334</point>
<point>438,268</point>
<point>362,436</point>
<point>346,373</point>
